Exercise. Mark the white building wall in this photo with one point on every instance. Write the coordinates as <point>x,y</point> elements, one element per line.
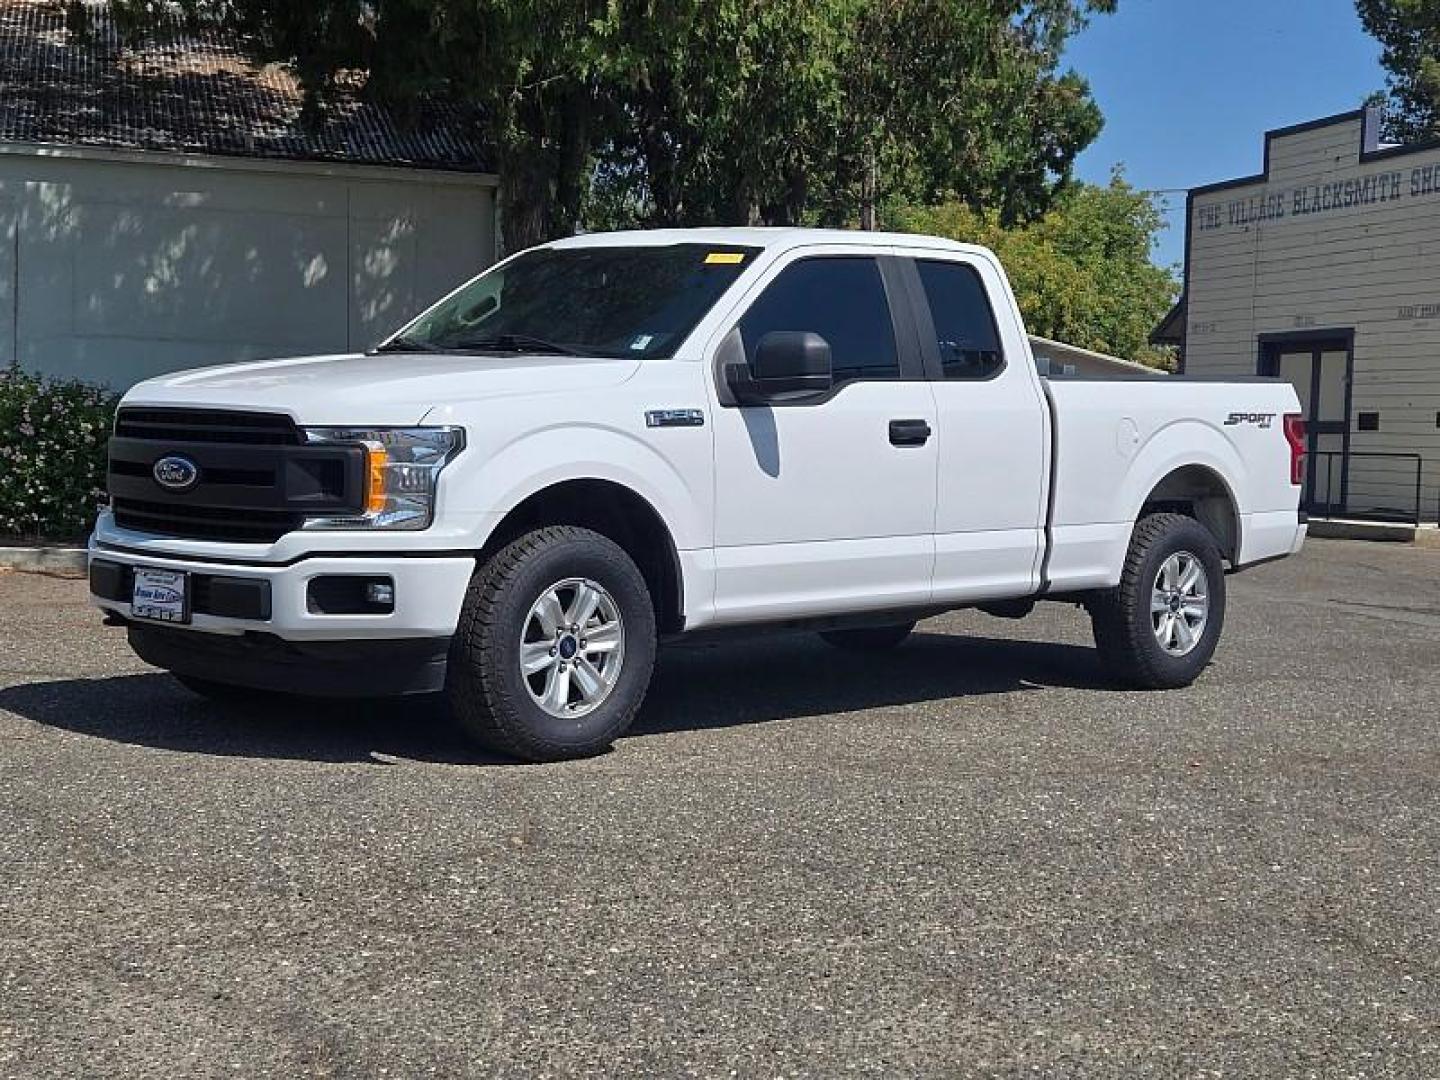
<point>118,266</point>
<point>1370,263</point>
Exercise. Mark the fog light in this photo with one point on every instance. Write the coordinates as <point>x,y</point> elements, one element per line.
<point>350,594</point>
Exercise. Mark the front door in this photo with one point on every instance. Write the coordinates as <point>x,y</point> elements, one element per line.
<point>1319,369</point>
<point>827,506</point>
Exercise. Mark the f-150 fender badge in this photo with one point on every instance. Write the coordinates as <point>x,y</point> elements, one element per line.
<point>1259,419</point>
<point>674,418</point>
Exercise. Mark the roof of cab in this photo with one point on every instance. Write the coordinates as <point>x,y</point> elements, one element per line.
<point>777,239</point>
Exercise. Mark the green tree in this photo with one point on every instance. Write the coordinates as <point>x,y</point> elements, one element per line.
<point>790,111</point>
<point>1082,272</point>
<point>1409,35</point>
<point>716,111</point>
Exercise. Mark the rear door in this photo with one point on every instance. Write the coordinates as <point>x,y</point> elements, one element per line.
<point>827,506</point>
<point>992,433</point>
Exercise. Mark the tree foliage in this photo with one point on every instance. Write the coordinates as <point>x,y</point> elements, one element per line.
<point>657,112</point>
<point>1409,35</point>
<point>1082,272</point>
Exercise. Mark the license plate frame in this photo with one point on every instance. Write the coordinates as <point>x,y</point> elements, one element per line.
<point>160,596</point>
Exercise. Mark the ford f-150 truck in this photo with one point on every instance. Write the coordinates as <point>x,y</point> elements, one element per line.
<point>611,440</point>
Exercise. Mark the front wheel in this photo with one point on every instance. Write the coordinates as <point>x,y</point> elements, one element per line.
<point>555,646</point>
<point>1158,628</point>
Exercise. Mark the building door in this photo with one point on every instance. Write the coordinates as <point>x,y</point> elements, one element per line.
<point>1319,368</point>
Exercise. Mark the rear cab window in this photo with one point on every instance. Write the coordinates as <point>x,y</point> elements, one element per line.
<point>966,334</point>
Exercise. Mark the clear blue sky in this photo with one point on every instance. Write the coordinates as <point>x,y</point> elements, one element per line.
<point>1189,87</point>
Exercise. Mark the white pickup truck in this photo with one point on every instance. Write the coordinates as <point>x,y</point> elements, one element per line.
<point>611,440</point>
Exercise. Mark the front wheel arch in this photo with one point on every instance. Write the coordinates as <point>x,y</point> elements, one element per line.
<point>616,512</point>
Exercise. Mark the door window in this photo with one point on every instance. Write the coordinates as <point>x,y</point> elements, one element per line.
<point>965,330</point>
<point>842,299</point>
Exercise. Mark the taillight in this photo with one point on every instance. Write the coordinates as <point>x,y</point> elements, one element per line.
<point>1295,436</point>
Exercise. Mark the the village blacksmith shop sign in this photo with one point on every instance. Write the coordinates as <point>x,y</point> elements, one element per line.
<point>1366,190</point>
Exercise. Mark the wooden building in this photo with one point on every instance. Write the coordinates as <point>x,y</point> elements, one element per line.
<point>1322,269</point>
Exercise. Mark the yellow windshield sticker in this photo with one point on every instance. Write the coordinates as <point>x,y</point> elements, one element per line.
<point>724,258</point>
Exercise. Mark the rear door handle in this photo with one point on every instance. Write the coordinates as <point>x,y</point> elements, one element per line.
<point>909,432</point>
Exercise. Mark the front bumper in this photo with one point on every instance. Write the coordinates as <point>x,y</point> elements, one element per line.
<point>429,589</point>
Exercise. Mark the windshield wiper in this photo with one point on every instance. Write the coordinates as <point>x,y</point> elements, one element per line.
<point>406,344</point>
<point>517,343</point>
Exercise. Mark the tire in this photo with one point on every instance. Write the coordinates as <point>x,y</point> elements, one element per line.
<point>868,638</point>
<point>1164,549</point>
<point>514,602</point>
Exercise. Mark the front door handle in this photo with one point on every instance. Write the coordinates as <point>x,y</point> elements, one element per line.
<point>909,432</point>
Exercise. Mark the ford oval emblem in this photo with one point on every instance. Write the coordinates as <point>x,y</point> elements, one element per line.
<point>176,473</point>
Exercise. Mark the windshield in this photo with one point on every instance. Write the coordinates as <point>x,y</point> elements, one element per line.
<point>639,302</point>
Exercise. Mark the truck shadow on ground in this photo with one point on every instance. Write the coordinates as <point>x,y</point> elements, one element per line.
<point>697,687</point>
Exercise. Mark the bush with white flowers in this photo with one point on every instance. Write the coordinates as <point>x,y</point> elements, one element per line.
<point>52,455</point>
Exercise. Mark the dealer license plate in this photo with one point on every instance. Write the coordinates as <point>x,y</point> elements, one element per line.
<point>162,595</point>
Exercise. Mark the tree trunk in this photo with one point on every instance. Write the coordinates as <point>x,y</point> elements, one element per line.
<point>869,183</point>
<point>658,149</point>
<point>572,165</point>
<point>526,199</point>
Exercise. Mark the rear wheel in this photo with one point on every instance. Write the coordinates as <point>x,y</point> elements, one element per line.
<point>555,646</point>
<point>868,638</point>
<point>1158,629</point>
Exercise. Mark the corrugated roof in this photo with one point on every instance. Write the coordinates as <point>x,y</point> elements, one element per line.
<point>194,92</point>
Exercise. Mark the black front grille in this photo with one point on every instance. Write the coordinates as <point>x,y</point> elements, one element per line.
<point>242,525</point>
<point>207,425</point>
<point>257,477</point>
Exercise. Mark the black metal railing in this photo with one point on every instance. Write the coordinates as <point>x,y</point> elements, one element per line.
<point>1368,486</point>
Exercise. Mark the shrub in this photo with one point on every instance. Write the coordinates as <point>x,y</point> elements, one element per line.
<point>52,455</point>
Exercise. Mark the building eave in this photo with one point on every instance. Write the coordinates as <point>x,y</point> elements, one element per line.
<point>244,163</point>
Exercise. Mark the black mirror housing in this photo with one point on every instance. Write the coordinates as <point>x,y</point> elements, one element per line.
<point>788,363</point>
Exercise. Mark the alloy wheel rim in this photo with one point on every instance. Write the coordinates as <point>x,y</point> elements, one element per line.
<point>1180,603</point>
<point>572,648</point>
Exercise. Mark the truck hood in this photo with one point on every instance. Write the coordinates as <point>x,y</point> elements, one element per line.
<point>385,388</point>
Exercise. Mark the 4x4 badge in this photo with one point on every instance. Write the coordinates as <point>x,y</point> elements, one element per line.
<point>674,418</point>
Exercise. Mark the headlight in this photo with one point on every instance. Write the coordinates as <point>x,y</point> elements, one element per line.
<point>402,471</point>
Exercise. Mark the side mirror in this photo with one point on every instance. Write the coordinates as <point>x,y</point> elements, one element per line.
<point>787,364</point>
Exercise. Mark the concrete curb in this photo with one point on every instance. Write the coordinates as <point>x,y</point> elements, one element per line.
<point>60,561</point>
<point>1426,536</point>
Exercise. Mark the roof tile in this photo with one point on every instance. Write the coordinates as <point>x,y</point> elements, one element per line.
<point>195,92</point>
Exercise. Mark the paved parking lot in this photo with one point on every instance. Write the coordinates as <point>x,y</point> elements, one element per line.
<point>968,858</point>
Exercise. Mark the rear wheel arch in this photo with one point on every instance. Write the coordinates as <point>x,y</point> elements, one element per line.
<point>1199,492</point>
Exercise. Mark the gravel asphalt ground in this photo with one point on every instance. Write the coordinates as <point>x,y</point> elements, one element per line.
<point>971,857</point>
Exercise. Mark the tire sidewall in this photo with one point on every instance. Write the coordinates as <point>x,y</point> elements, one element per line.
<point>587,556</point>
<point>1184,536</point>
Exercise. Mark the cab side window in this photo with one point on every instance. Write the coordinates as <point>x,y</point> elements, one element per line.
<point>964,322</point>
<point>842,299</point>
